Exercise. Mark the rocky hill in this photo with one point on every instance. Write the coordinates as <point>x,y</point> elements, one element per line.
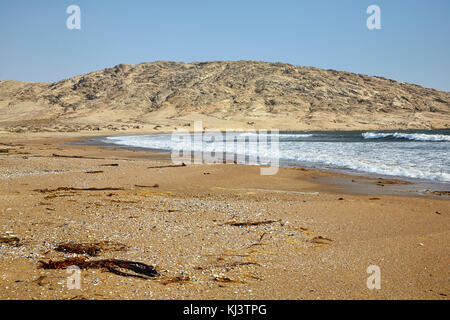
<point>226,94</point>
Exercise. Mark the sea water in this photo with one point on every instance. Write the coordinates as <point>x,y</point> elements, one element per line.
<point>412,154</point>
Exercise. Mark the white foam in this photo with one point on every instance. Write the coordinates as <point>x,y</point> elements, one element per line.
<point>415,159</point>
<point>407,136</point>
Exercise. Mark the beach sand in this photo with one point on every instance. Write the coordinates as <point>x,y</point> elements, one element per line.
<point>302,235</point>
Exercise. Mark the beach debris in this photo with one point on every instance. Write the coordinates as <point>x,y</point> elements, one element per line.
<point>141,270</point>
<point>78,297</point>
<point>4,150</point>
<point>110,165</point>
<point>262,236</point>
<point>77,189</point>
<point>74,157</point>
<point>227,280</point>
<point>95,171</point>
<point>259,243</point>
<point>438,193</point>
<point>11,144</point>
<point>179,279</point>
<point>10,239</point>
<point>142,186</point>
<point>374,198</point>
<point>249,223</point>
<point>40,281</point>
<point>91,249</point>
<point>122,201</point>
<point>321,240</point>
<point>231,265</point>
<point>168,166</point>
<point>381,182</point>
<point>53,195</point>
<point>341,199</point>
<point>44,204</point>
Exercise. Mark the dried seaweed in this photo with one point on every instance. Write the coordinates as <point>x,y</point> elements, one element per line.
<point>227,280</point>
<point>110,165</point>
<point>40,281</point>
<point>262,236</point>
<point>142,186</point>
<point>77,189</point>
<point>259,243</point>
<point>321,240</point>
<point>179,279</point>
<point>14,241</point>
<point>51,196</point>
<point>248,224</point>
<point>95,171</point>
<point>141,270</point>
<point>74,157</point>
<point>381,182</point>
<point>92,249</point>
<point>238,264</point>
<point>168,166</point>
<point>11,144</point>
<point>439,193</point>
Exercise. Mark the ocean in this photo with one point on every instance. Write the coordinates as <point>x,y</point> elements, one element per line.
<point>418,154</point>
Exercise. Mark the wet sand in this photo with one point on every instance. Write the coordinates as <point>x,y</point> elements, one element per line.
<point>211,231</point>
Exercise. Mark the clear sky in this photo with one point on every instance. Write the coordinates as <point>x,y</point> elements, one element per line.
<point>413,44</point>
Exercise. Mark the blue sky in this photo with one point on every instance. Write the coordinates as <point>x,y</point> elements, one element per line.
<point>413,44</point>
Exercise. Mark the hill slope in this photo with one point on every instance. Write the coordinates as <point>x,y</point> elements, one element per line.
<point>226,94</point>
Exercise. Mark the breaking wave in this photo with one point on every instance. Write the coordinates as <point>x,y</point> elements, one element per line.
<point>414,155</point>
<point>407,136</point>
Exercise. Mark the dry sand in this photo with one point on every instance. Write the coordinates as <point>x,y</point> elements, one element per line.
<point>317,242</point>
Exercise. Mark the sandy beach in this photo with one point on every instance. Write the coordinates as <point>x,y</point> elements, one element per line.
<point>210,231</point>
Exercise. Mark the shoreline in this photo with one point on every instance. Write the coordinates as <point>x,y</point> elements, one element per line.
<point>415,186</point>
<point>300,234</point>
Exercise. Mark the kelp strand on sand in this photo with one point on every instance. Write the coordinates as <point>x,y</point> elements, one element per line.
<point>141,270</point>
<point>168,166</point>
<point>92,249</point>
<point>249,223</point>
<point>77,189</point>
